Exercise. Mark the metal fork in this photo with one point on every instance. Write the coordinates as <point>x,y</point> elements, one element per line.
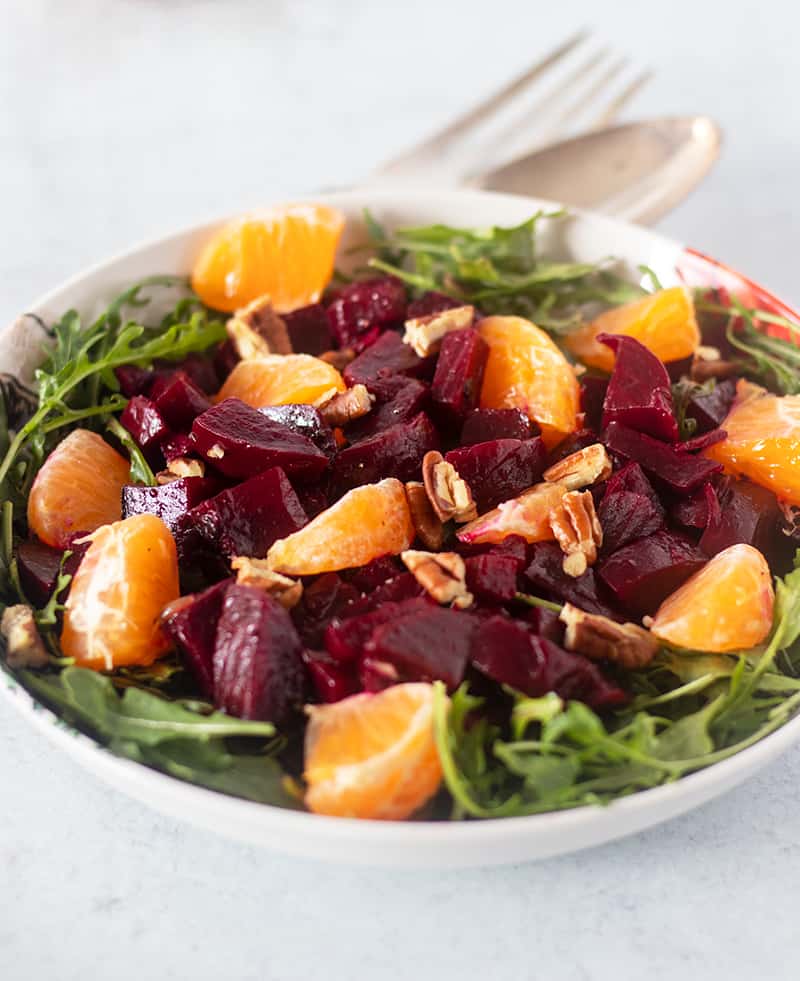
<point>592,90</point>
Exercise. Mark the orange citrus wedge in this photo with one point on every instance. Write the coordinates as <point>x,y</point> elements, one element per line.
<point>527,515</point>
<point>280,379</point>
<point>372,756</point>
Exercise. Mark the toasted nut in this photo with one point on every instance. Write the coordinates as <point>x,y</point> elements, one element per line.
<point>429,528</point>
<point>25,648</point>
<point>599,638</point>
<point>581,469</point>
<point>257,330</point>
<point>255,572</point>
<point>186,466</point>
<point>441,574</point>
<point>346,406</point>
<point>708,363</point>
<point>790,524</point>
<point>577,530</point>
<point>216,452</point>
<point>339,359</point>
<point>448,493</point>
<point>326,396</point>
<point>424,334</point>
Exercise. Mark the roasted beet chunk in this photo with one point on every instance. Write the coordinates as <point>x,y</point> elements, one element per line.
<point>642,574</point>
<point>710,405</point>
<point>39,565</point>
<point>459,373</point>
<point>133,380</point>
<point>146,424</point>
<point>345,639</point>
<point>321,601</point>
<point>678,472</point>
<point>492,578</point>
<point>387,356</point>
<point>363,305</point>
<point>549,581</point>
<point>198,366</point>
<point>397,399</point>
<point>500,469</point>
<point>168,501</point>
<point>248,518</point>
<point>395,452</point>
<point>375,573</point>
<point>483,425</point>
<point>191,624</point>
<point>303,419</point>
<point>258,668</point>
<point>639,393</point>
<point>629,508</point>
<point>332,681</point>
<point>241,441</point>
<point>593,394</point>
<point>429,303</point>
<point>747,514</point>
<point>179,400</point>
<point>698,509</point>
<point>308,329</point>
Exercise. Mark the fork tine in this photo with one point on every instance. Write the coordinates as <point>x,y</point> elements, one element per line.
<point>618,103</point>
<point>588,97</point>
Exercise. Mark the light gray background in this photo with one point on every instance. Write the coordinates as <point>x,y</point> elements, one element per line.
<point>119,120</point>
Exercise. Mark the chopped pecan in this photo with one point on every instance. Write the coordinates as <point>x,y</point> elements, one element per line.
<point>346,406</point>
<point>181,466</point>
<point>577,530</point>
<point>599,638</point>
<point>427,525</point>
<point>441,574</point>
<point>257,330</point>
<point>339,359</point>
<point>326,396</point>
<point>708,363</point>
<point>424,334</point>
<point>580,469</point>
<point>790,524</point>
<point>216,452</point>
<point>256,572</point>
<point>448,493</point>
<point>24,645</point>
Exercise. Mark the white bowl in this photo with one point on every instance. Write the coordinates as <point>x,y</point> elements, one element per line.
<point>586,237</point>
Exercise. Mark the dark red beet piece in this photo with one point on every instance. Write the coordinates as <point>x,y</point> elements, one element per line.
<point>39,565</point>
<point>397,399</point>
<point>192,627</point>
<point>430,302</point>
<point>303,419</point>
<point>331,681</point>
<point>240,441</point>
<point>133,380</point>
<point>577,441</point>
<point>398,589</point>
<point>629,508</point>
<point>345,638</point>
<point>395,452</point>
<point>365,304</point>
<point>514,547</point>
<point>199,367</point>
<point>544,623</point>
<point>314,499</point>
<point>320,602</point>
<point>576,678</point>
<point>483,425</point>
<point>593,394</point>
<point>639,393</point>
<point>748,514</point>
<point>643,573</point>
<point>226,358</point>
<point>177,445</point>
<point>698,509</point>
<point>679,472</point>
<point>168,501</point>
<point>701,442</point>
<point>145,423</point>
<point>248,518</point>
<point>388,355</point>
<point>457,382</point>
<point>549,581</point>
<point>375,573</point>
<point>179,400</point>
<point>500,469</point>
<point>309,330</point>
<point>375,675</point>
<point>492,578</point>
<point>710,408</point>
<point>258,668</point>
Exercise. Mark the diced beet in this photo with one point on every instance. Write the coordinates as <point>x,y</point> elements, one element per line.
<point>492,578</point>
<point>240,441</point>
<point>430,645</point>
<point>643,573</point>
<point>679,472</point>
<point>576,678</point>
<point>145,423</point>
<point>577,441</point>
<point>248,518</point>
<point>258,668</point>
<point>314,499</point>
<point>303,419</point>
<point>331,681</point>
<point>748,514</point>
<point>345,638</point>
<point>133,380</point>
<point>192,627</point>
<point>483,425</point>
<point>319,604</point>
<point>375,573</point>
<point>697,509</point>
<point>309,330</point>
<point>639,393</point>
<point>549,581</point>
<point>179,400</point>
<point>226,357</point>
<point>593,394</point>
<point>375,675</point>
<point>199,367</point>
<point>457,382</point>
<point>397,399</point>
<point>39,565</point>
<point>709,409</point>
<point>500,469</point>
<point>544,623</point>
<point>429,303</point>
<point>168,501</point>
<point>395,452</point>
<point>629,509</point>
<point>514,547</point>
<point>388,355</point>
<point>177,445</point>
<point>365,304</point>
<point>701,442</point>
<point>398,589</point>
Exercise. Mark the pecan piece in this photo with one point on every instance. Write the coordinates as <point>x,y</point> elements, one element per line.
<point>25,648</point>
<point>257,330</point>
<point>339,359</point>
<point>256,572</point>
<point>441,574</point>
<point>427,525</point>
<point>181,466</point>
<point>424,334</point>
<point>599,638</point>
<point>448,493</point>
<point>346,406</point>
<point>577,530</point>
<point>581,469</point>
<point>708,363</point>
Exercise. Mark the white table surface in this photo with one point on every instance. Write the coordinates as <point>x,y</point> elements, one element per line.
<point>120,119</point>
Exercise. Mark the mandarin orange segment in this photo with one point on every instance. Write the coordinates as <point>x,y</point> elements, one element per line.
<point>526,370</point>
<point>726,606</point>
<point>127,576</point>
<point>527,515</point>
<point>280,379</point>
<point>286,252</point>
<point>373,756</point>
<point>763,440</point>
<point>367,522</point>
<point>78,489</point>
<point>664,322</point>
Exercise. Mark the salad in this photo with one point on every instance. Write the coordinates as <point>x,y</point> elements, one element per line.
<point>465,533</point>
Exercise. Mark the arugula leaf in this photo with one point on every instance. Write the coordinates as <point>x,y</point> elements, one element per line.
<point>140,468</point>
